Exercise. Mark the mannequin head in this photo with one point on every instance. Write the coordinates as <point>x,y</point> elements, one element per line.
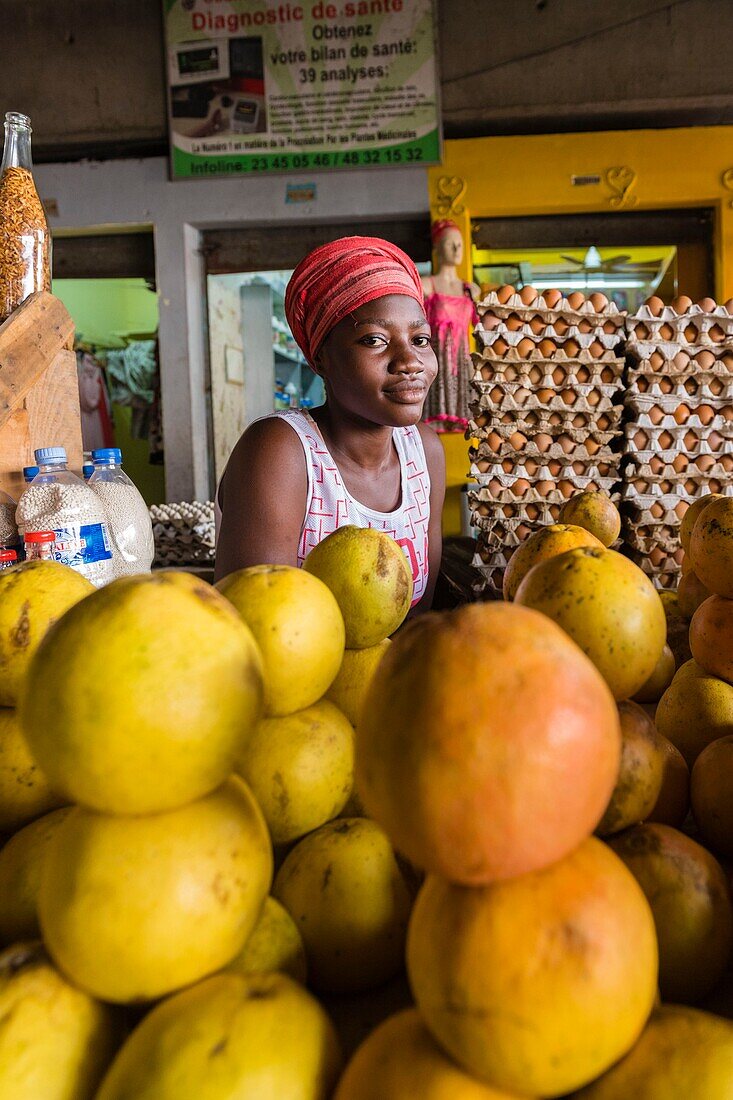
<point>448,243</point>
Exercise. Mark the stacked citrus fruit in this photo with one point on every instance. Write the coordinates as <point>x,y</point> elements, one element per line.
<point>512,836</point>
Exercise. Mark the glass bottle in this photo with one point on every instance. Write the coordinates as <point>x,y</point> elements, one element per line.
<point>25,241</point>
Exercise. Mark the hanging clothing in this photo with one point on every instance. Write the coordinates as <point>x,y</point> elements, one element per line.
<point>450,316</point>
<point>330,505</point>
<point>96,412</point>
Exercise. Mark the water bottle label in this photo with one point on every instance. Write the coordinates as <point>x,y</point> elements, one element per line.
<point>79,546</point>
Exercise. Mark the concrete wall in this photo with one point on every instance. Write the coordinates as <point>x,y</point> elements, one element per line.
<point>93,195</point>
<point>90,73</point>
<point>228,396</point>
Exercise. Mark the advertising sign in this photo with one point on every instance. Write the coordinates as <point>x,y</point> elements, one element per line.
<point>263,86</point>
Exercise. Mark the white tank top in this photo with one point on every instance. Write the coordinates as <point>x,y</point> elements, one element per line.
<point>330,505</point>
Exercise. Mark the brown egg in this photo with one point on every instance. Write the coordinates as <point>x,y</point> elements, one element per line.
<point>705,463</point>
<point>567,444</point>
<point>681,360</point>
<point>545,395</point>
<point>691,334</point>
<point>521,486</point>
<point>560,326</point>
<point>500,347</point>
<point>514,323</point>
<point>552,297</point>
<point>571,348</point>
<point>655,305</point>
<point>548,348</point>
<point>706,413</point>
<point>666,332</point>
<point>598,301</point>
<point>680,463</point>
<point>518,441</point>
<point>528,294</point>
<point>666,385</point>
<point>537,324</point>
<point>487,372</point>
<point>707,305</point>
<point>641,332</point>
<point>593,398</point>
<point>681,304</point>
<point>504,293</point>
<point>536,374</point>
<point>715,439</point>
<point>569,397</point>
<point>656,360</point>
<point>582,373</point>
<point>656,415</point>
<point>525,347</point>
<point>607,374</point>
<point>609,327</point>
<point>584,325</point>
<point>681,414</point>
<point>596,349</point>
<point>543,442</point>
<point>716,334</point>
<point>576,299</point>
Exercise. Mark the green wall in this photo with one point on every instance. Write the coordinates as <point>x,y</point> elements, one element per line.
<point>106,313</point>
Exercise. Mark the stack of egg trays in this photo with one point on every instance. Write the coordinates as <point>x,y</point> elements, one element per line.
<point>547,423</point>
<point>678,431</point>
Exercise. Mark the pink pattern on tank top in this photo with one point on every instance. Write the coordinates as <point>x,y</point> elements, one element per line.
<point>330,505</point>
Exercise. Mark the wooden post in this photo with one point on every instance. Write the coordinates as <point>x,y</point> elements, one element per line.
<point>39,390</point>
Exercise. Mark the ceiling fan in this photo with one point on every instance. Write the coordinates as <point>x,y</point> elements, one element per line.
<point>594,265</point>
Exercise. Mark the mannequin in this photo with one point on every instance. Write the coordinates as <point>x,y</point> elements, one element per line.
<point>450,309</point>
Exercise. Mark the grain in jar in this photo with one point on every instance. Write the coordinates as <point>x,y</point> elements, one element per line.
<point>25,242</point>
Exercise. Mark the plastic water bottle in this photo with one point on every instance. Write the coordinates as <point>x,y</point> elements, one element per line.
<point>133,545</point>
<point>59,501</point>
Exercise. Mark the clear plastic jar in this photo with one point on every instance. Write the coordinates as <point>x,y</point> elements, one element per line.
<point>59,501</point>
<point>8,528</point>
<point>8,558</point>
<point>133,545</point>
<point>38,545</point>
<point>25,242</point>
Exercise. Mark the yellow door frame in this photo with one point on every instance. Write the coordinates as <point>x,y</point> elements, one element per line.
<point>636,170</point>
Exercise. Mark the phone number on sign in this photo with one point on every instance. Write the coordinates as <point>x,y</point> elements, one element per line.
<point>286,161</point>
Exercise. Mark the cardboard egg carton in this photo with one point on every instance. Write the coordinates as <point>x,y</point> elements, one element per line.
<point>722,422</point>
<point>514,398</point>
<point>680,367</point>
<point>508,490</point>
<point>497,531</point>
<point>532,509</point>
<point>705,387</point>
<point>606,463</point>
<point>577,424</point>
<point>681,410</point>
<point>644,441</point>
<point>643,536</point>
<point>682,465</point>
<point>543,375</point>
<point>487,339</point>
<point>694,328</point>
<point>577,475</point>
<point>493,446</point>
<point>641,483</point>
<point>538,307</point>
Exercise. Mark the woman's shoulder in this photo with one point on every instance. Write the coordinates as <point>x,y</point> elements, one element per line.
<point>431,444</point>
<point>268,445</point>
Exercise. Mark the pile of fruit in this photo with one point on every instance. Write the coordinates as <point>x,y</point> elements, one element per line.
<point>678,424</point>
<point>546,412</point>
<point>237,820</point>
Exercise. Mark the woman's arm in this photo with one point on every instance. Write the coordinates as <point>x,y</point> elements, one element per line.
<point>435,458</point>
<point>263,498</point>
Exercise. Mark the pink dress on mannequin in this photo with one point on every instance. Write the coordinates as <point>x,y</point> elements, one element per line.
<point>450,316</point>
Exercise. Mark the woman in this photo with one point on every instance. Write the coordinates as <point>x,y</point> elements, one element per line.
<point>355,307</point>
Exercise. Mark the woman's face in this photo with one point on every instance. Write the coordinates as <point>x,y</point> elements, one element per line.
<point>378,363</point>
<point>449,247</point>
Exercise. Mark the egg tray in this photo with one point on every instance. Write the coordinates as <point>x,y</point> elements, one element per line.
<point>662,569</point>
<point>644,442</point>
<point>657,467</point>
<point>490,303</point>
<point>722,422</point>
<point>578,424</point>
<point>606,464</point>
<point>512,359</point>
<point>609,341</point>
<point>681,366</point>
<point>694,326</point>
<point>705,387</point>
<point>586,399</point>
<point>642,536</point>
<point>564,448</point>
<point>544,375</point>
<point>641,492</point>
<point>532,510</point>
<point>681,411</point>
<point>605,474</point>
<point>505,532</point>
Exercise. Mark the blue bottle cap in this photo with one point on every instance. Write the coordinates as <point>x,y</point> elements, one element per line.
<point>49,455</point>
<point>87,470</point>
<point>29,472</point>
<point>104,455</point>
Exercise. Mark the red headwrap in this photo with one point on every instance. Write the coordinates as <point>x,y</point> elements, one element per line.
<point>337,278</point>
<point>437,229</point>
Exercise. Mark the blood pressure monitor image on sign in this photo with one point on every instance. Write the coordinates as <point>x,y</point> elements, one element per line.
<point>199,62</point>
